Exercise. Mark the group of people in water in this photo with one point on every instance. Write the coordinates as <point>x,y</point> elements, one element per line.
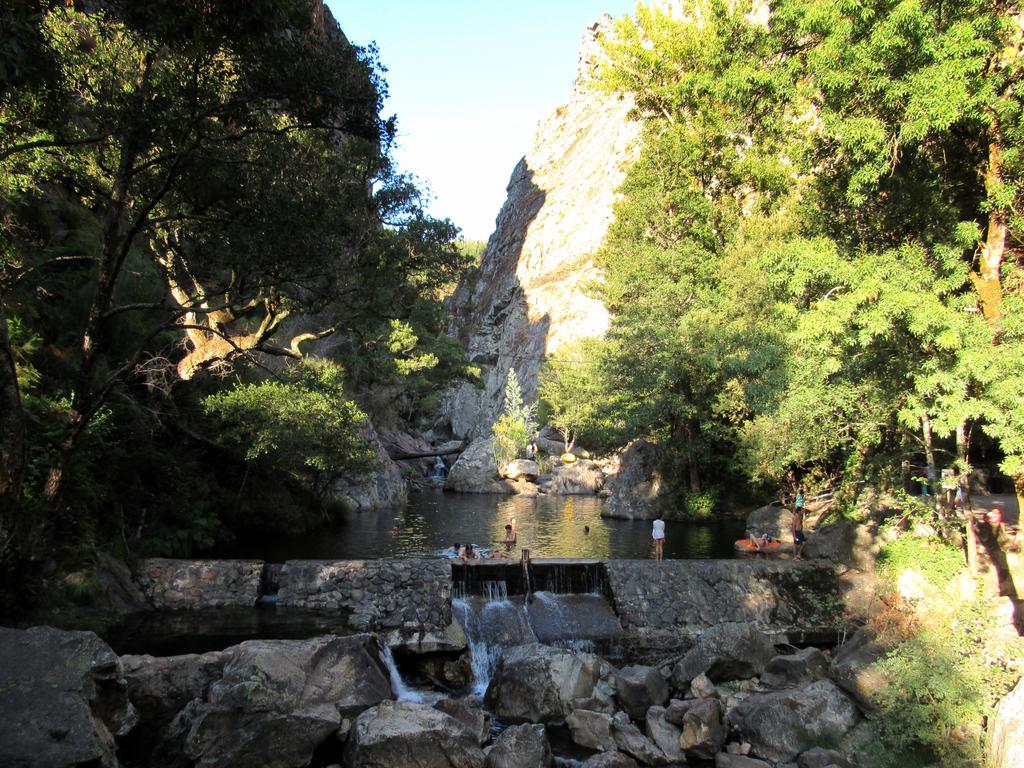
<point>467,552</point>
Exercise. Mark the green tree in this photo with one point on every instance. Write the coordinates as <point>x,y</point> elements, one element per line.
<point>517,424</point>
<point>300,423</point>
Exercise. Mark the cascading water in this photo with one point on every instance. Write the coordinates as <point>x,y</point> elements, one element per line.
<point>493,620</point>
<point>398,687</point>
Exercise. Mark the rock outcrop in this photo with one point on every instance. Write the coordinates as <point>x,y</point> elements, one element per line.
<point>537,684</point>
<point>63,699</point>
<point>1006,732</point>
<point>278,700</point>
<point>782,724</point>
<point>383,484</point>
<point>397,733</point>
<point>529,296</point>
<point>634,490</point>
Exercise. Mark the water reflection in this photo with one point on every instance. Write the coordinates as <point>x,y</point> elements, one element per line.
<point>549,526</point>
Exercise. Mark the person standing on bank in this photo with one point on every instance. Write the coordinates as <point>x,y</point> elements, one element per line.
<point>799,539</point>
<point>658,534</point>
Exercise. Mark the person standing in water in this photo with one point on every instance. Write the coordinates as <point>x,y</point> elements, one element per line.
<point>658,534</point>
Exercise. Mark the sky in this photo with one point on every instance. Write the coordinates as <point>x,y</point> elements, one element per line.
<point>469,80</point>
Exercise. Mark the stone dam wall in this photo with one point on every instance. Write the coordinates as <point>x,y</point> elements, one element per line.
<point>658,604</point>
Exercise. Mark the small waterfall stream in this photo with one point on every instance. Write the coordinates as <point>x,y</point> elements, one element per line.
<point>399,687</point>
<point>578,618</point>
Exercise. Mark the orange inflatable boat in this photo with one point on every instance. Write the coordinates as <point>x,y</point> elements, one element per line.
<point>746,545</point>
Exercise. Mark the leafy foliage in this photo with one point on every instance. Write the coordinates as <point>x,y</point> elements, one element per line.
<point>517,424</point>
<point>801,252</point>
<point>302,423</point>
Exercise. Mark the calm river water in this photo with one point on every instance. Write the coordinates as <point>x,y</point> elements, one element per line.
<point>549,526</point>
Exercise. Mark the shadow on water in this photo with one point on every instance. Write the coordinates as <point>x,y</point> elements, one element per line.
<point>549,526</point>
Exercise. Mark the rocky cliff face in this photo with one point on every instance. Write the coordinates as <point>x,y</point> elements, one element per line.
<point>529,296</point>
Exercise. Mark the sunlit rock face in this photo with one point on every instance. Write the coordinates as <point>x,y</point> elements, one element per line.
<point>529,297</point>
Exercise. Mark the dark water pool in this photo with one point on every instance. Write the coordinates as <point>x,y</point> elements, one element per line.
<point>549,526</point>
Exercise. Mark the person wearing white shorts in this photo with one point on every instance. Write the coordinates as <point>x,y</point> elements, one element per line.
<point>658,534</point>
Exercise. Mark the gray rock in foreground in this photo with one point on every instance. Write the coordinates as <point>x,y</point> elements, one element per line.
<point>521,746</point>
<point>854,668</point>
<point>725,760</point>
<point>63,699</point>
<point>731,651</point>
<point>639,688</point>
<point>1006,732</point>
<point>591,729</point>
<point>278,700</point>
<point>789,671</point>
<point>537,683</point>
<point>406,733</point>
<point>610,760</point>
<point>782,724</point>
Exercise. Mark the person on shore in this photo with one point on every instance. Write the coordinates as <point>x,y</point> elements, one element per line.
<point>799,539</point>
<point>658,534</point>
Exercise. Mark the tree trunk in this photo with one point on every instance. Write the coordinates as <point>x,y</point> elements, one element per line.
<point>12,438</point>
<point>690,431</point>
<point>53,521</point>
<point>929,453</point>
<point>964,481</point>
<point>987,281</point>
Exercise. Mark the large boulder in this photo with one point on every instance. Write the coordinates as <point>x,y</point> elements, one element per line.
<point>537,683</point>
<point>773,519</point>
<point>630,740</point>
<point>795,669</point>
<point>382,485</point>
<point>819,757</point>
<point>610,760</point>
<point>634,491</point>
<point>521,746</point>
<point>702,732</point>
<point>729,651</point>
<point>521,469</point>
<point>63,699</point>
<point>1006,731</point>
<point>855,670</point>
<point>278,700</point>
<point>476,470</point>
<point>160,687</point>
<point>782,724</point>
<point>726,760</point>
<point>582,477</point>
<point>410,733</point>
<point>469,713</point>
<point>639,688</point>
<point>833,542</point>
<point>591,729</point>
<point>117,589</point>
<point>665,734</point>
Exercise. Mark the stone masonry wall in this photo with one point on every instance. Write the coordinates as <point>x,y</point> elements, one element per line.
<point>191,584</point>
<point>783,598</point>
<point>378,594</point>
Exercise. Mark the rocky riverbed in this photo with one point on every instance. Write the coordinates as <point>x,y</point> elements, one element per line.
<point>735,698</point>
